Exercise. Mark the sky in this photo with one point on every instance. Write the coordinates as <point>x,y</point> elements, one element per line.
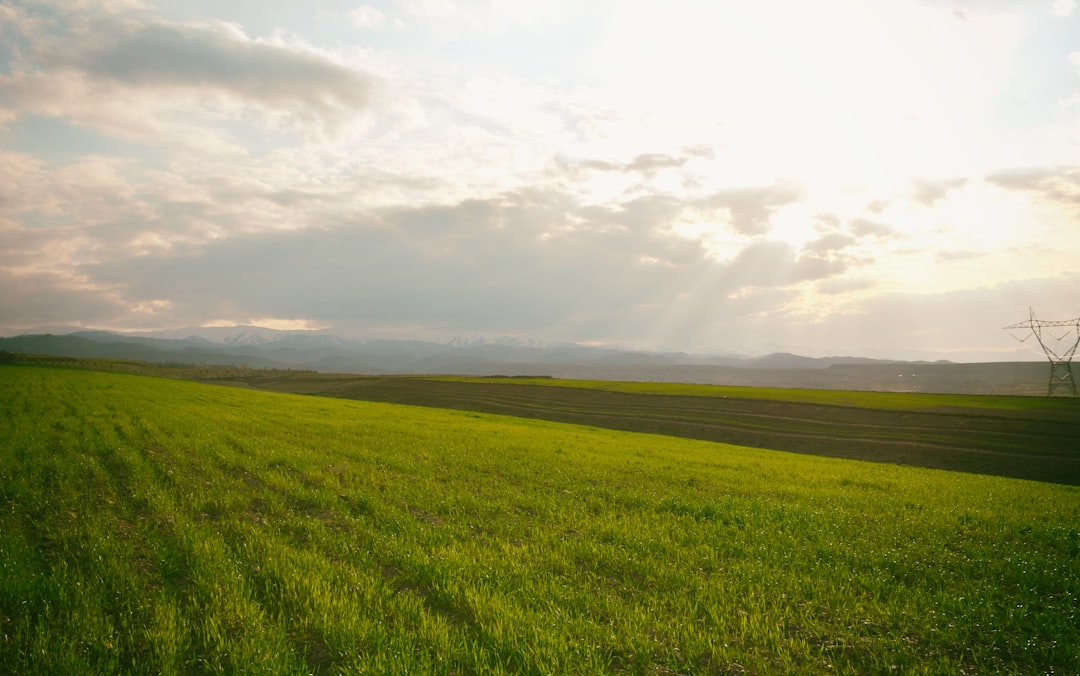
<point>892,179</point>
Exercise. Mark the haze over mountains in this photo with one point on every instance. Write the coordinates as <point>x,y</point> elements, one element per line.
<point>263,347</point>
<point>259,347</point>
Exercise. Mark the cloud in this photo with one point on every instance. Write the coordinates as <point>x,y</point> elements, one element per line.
<point>645,163</point>
<point>431,9</point>
<point>841,285</point>
<point>1060,185</point>
<point>141,76</point>
<point>252,239</point>
<point>208,56</point>
<point>830,243</point>
<point>99,209</point>
<point>1063,8</point>
<point>367,17</point>
<point>956,255</point>
<point>528,262</point>
<point>864,227</point>
<point>924,325</point>
<point>766,263</point>
<point>929,192</point>
<point>53,217</point>
<point>50,298</point>
<point>749,209</point>
<point>645,213</point>
<point>495,265</point>
<point>572,194</point>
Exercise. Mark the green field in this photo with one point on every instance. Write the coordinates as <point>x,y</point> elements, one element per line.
<point>150,525</point>
<point>1017,437</point>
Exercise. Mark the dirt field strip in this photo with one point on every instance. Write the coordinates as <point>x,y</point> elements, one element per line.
<point>1039,445</point>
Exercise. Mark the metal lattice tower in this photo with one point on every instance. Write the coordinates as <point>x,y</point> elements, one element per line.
<point>1061,376</point>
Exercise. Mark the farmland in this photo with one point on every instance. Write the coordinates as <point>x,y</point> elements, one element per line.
<point>1019,437</point>
<point>150,525</point>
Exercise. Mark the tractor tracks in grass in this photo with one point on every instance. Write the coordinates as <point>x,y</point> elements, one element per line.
<point>978,441</point>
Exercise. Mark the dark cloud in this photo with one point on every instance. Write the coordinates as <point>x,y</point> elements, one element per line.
<point>644,213</point>
<point>1054,184</point>
<point>810,268</point>
<point>864,227</point>
<point>645,163</point>
<point>650,162</point>
<point>49,298</point>
<point>751,208</point>
<point>496,265</point>
<point>830,243</point>
<point>877,206</point>
<point>209,59</point>
<point>830,221</point>
<point>929,192</point>
<point>767,263</point>
<point>530,262</point>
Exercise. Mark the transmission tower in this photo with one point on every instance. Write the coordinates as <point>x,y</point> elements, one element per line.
<point>1061,376</point>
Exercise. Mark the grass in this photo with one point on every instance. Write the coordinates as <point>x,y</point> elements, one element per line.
<point>1035,444</point>
<point>159,526</point>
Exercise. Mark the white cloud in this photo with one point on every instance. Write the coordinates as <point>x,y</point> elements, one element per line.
<point>1063,8</point>
<point>835,90</point>
<point>431,9</point>
<point>367,18</point>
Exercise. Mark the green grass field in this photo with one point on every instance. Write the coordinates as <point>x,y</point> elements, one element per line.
<point>150,525</point>
<point>1032,438</point>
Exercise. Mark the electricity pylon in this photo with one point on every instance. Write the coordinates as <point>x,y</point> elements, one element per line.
<point>1061,376</point>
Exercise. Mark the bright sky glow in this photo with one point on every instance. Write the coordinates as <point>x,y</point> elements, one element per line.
<point>895,179</point>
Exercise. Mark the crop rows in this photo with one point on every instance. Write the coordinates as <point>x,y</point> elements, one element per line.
<point>1019,437</point>
<point>158,526</point>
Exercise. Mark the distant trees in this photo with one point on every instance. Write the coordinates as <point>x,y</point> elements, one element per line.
<point>8,357</point>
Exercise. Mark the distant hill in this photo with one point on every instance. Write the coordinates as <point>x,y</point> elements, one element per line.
<point>98,346</point>
<point>257,347</point>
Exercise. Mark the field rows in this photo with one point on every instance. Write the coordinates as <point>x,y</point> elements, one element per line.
<point>158,526</point>
<point>1028,438</point>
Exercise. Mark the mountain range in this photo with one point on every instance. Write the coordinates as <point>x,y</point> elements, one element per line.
<point>260,347</point>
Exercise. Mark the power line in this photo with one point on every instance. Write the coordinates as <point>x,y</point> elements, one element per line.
<point>1061,376</point>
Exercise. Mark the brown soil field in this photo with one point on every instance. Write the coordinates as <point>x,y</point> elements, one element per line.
<point>1036,446</point>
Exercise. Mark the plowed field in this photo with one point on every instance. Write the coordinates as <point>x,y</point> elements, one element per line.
<point>1041,445</point>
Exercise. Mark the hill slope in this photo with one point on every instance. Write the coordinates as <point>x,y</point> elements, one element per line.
<point>1018,437</point>
<point>157,526</point>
